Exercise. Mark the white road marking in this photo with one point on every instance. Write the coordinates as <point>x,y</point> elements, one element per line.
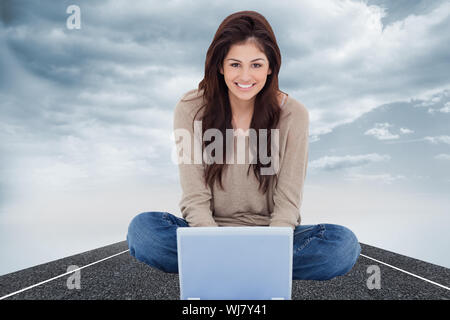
<point>62,275</point>
<point>411,274</point>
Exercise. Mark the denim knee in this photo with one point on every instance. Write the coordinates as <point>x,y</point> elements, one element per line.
<point>139,236</point>
<point>346,249</point>
<point>145,218</point>
<point>144,221</point>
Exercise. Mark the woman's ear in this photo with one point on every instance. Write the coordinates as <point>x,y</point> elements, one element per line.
<point>269,72</point>
<point>220,69</point>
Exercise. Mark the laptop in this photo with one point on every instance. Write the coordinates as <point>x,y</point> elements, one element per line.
<point>235,263</point>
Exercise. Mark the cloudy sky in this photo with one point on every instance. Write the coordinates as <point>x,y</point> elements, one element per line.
<point>86,117</point>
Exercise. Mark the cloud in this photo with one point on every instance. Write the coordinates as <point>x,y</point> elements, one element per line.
<point>438,139</point>
<point>434,102</point>
<point>152,55</point>
<point>406,131</point>
<point>446,108</point>
<point>443,156</point>
<point>331,163</point>
<point>385,178</point>
<point>314,138</point>
<point>357,58</point>
<point>431,102</point>
<point>381,132</point>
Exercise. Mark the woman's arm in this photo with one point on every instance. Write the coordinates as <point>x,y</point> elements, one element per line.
<point>288,191</point>
<point>195,204</point>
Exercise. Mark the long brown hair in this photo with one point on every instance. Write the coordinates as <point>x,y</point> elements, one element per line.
<point>235,29</point>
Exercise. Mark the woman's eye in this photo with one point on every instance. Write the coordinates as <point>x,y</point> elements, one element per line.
<point>257,65</point>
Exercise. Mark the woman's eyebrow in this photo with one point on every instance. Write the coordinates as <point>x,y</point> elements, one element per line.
<point>250,61</point>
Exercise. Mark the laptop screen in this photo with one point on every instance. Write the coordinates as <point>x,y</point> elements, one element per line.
<point>224,263</point>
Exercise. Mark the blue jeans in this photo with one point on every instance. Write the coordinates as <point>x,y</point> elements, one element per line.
<point>321,251</point>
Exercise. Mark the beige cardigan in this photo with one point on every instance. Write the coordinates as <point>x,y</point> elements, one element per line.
<point>242,204</point>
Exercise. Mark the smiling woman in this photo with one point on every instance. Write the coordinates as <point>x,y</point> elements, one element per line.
<point>240,91</point>
<point>241,75</point>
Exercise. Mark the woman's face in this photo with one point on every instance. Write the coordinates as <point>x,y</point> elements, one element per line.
<point>245,70</point>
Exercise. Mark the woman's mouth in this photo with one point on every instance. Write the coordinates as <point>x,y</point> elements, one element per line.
<point>244,87</point>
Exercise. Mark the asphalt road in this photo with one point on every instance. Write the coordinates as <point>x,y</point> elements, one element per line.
<point>123,277</point>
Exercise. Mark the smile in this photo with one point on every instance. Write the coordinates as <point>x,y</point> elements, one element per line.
<point>244,87</point>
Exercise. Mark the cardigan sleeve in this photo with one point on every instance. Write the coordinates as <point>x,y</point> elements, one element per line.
<point>195,203</point>
<point>288,192</point>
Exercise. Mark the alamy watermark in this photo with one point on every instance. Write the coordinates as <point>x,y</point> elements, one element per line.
<point>374,281</point>
<point>188,149</point>
<point>74,280</point>
<point>74,20</point>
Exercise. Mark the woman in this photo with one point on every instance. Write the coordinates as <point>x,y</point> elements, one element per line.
<point>239,93</point>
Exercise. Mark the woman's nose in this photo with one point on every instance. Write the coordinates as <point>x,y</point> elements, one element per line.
<point>245,75</point>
